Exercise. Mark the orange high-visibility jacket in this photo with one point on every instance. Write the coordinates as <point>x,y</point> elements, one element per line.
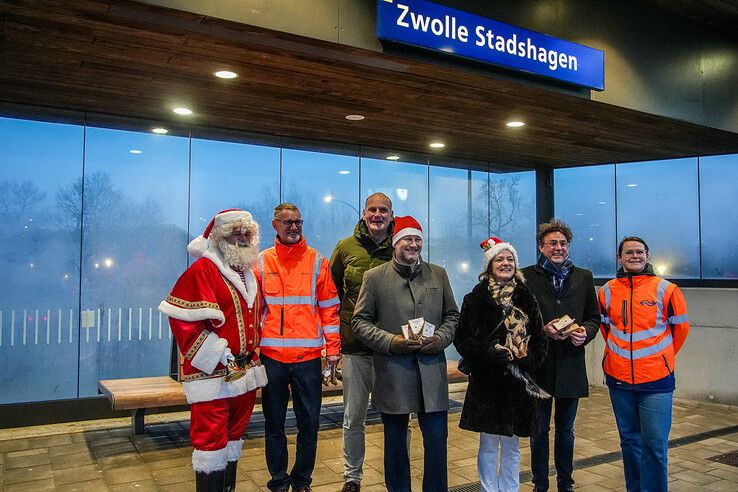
<point>644,322</point>
<point>300,315</point>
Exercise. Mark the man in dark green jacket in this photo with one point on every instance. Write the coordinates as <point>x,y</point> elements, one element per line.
<point>370,246</point>
<point>560,289</point>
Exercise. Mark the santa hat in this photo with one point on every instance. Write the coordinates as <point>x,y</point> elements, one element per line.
<point>406,226</point>
<point>492,247</point>
<point>230,216</point>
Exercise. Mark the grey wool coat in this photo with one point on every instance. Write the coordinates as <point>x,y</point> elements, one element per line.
<point>390,296</point>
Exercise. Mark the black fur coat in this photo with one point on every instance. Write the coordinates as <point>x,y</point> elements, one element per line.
<point>496,402</point>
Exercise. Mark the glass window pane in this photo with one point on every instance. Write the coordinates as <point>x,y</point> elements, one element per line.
<point>658,201</point>
<point>719,221</point>
<point>453,237</point>
<point>405,183</point>
<point>584,198</point>
<point>325,187</point>
<point>233,175</point>
<point>512,211</point>
<point>133,249</point>
<point>40,201</point>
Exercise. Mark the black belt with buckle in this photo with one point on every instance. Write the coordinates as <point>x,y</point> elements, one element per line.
<point>243,360</point>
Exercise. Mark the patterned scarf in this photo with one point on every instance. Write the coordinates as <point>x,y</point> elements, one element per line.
<point>559,273</point>
<point>516,320</point>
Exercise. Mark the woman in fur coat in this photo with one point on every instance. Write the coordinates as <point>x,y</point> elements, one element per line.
<point>500,336</point>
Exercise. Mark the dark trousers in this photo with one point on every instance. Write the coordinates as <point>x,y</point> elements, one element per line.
<point>566,411</point>
<point>434,427</point>
<point>305,380</point>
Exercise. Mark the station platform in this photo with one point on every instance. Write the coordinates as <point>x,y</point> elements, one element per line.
<point>104,455</point>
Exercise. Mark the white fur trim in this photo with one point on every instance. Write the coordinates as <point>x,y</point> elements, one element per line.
<point>233,216</point>
<point>209,461</point>
<point>495,250</point>
<point>192,315</point>
<point>202,248</point>
<point>234,449</point>
<point>209,354</point>
<point>408,231</point>
<point>217,388</point>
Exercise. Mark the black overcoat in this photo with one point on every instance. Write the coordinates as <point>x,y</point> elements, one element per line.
<point>496,402</point>
<point>564,372</point>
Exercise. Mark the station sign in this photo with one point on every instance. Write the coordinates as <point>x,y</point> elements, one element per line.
<point>440,28</point>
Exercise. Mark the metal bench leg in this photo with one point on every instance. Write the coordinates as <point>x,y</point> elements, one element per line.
<point>137,420</point>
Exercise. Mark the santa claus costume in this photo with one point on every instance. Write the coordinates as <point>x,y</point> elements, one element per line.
<point>213,313</point>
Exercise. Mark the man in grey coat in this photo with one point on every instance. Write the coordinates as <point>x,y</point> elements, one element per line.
<point>410,375</point>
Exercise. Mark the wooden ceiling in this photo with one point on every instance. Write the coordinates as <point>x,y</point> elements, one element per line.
<point>128,59</point>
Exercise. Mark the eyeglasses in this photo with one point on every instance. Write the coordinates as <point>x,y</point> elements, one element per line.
<point>562,243</point>
<point>290,223</point>
<point>637,252</point>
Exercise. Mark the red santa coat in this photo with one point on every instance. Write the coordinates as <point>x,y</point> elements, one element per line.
<point>210,309</point>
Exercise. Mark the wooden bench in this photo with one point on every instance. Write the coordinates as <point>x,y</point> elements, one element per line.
<point>140,394</point>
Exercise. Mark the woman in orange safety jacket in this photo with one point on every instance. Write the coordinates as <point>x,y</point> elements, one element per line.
<point>644,323</point>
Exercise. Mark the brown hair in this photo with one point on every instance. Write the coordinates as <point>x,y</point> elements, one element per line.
<point>631,238</point>
<point>285,206</point>
<point>553,225</point>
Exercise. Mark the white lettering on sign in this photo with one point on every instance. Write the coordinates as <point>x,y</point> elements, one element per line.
<point>450,28</point>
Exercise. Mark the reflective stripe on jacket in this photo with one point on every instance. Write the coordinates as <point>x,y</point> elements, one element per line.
<point>301,304</point>
<point>644,321</point>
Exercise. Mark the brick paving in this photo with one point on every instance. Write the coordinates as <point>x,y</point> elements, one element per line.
<point>103,455</point>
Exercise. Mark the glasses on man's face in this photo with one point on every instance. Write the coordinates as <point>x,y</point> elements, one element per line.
<point>290,223</point>
<point>562,243</point>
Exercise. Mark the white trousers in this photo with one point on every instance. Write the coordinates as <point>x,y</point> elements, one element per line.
<point>507,449</point>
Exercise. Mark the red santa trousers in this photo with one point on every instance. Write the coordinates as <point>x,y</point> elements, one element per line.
<point>219,424</point>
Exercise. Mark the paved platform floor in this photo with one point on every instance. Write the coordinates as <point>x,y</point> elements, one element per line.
<point>103,455</point>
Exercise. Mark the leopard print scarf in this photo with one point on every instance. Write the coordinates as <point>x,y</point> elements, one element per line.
<point>516,322</point>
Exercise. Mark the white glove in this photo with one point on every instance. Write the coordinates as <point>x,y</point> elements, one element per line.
<point>227,357</point>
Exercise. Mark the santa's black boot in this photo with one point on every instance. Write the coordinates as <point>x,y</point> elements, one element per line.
<point>209,482</point>
<point>229,484</point>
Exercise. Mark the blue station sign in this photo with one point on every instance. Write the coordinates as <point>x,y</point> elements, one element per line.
<point>437,27</point>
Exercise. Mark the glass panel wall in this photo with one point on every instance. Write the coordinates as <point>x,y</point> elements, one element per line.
<point>104,217</point>
<point>325,187</point>
<point>659,202</point>
<point>719,217</point>
<point>681,207</point>
<point>233,175</point>
<point>134,235</point>
<point>584,198</point>
<point>40,212</point>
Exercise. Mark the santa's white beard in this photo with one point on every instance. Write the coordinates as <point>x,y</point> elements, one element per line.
<point>238,257</point>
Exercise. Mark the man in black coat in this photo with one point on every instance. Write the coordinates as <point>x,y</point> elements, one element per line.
<point>561,289</point>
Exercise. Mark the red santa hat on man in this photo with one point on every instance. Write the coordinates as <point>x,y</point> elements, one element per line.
<point>492,247</point>
<point>221,226</point>
<point>406,226</point>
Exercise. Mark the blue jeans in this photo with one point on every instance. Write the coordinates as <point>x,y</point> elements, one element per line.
<point>434,426</point>
<point>566,411</point>
<point>644,422</point>
<point>305,380</point>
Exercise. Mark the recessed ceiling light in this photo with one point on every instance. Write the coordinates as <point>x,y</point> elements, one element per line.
<point>515,124</point>
<point>183,111</point>
<point>160,131</point>
<point>393,157</point>
<point>135,151</point>
<point>344,171</point>
<point>225,74</point>
<point>354,117</point>
<point>632,185</point>
<point>601,203</point>
<point>437,145</point>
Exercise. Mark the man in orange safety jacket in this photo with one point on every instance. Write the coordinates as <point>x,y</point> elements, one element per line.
<point>300,320</point>
<point>644,322</point>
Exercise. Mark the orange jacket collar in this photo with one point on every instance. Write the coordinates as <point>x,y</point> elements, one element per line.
<point>284,250</point>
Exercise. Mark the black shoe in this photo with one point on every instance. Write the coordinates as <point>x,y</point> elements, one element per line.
<point>209,482</point>
<point>229,481</point>
<point>351,487</point>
